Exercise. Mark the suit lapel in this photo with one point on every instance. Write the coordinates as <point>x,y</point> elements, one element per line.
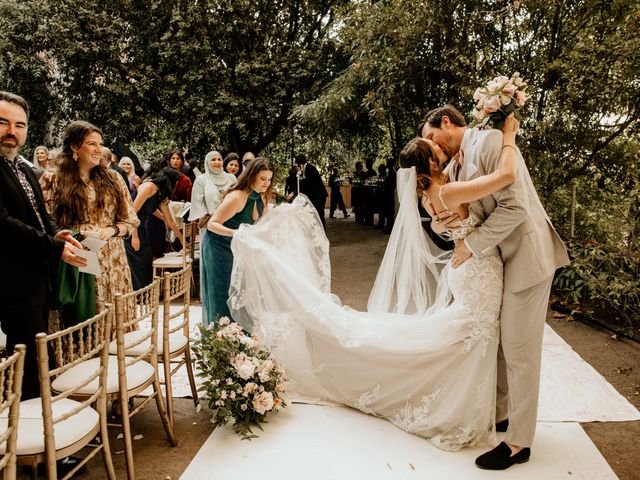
<point>469,168</point>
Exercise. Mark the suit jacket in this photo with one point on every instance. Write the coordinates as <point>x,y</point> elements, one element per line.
<point>516,221</point>
<point>312,185</point>
<point>28,255</point>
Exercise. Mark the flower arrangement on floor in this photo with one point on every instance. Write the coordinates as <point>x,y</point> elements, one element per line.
<point>497,99</point>
<point>242,382</point>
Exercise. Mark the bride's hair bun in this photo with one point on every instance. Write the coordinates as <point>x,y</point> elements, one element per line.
<point>417,153</point>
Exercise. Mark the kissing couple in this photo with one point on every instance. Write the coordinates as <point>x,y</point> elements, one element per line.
<point>450,345</point>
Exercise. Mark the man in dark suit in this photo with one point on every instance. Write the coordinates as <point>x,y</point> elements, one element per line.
<point>31,245</point>
<point>312,186</point>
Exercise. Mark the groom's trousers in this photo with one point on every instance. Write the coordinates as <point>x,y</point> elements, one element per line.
<point>522,319</point>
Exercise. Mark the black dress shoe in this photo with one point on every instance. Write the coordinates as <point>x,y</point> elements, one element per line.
<point>500,458</point>
<point>502,425</point>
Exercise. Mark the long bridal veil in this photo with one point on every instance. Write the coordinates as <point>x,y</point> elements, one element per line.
<point>408,278</point>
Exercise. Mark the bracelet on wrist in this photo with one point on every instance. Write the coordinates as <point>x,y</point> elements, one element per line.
<point>509,146</point>
<point>116,230</point>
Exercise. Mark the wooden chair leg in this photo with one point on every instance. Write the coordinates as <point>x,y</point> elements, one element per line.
<point>168,388</point>
<point>106,447</point>
<point>192,380</point>
<point>126,437</point>
<point>162,411</point>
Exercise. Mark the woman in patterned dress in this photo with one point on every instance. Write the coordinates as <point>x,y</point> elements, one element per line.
<point>88,197</point>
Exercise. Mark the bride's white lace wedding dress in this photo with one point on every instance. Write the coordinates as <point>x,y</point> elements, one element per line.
<point>424,361</point>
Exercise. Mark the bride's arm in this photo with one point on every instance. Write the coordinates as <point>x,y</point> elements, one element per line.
<point>504,175</point>
<point>231,204</point>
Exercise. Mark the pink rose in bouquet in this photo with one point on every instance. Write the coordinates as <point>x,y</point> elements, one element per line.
<point>242,382</point>
<point>497,99</point>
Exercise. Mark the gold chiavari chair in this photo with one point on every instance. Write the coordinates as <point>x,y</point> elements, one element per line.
<point>138,372</point>
<point>11,371</point>
<point>70,362</point>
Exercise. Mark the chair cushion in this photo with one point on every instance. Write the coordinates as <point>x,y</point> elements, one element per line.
<point>170,261</point>
<point>177,341</point>
<point>31,428</point>
<point>137,374</point>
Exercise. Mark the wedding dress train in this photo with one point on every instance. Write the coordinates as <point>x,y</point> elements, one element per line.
<point>423,359</point>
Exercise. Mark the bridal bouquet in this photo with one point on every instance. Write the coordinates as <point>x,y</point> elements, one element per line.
<point>242,382</point>
<point>497,99</point>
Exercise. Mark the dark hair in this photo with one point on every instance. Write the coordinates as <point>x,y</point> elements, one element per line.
<point>163,176</point>
<point>171,153</point>
<point>434,118</point>
<point>301,159</point>
<point>229,158</point>
<point>17,99</point>
<point>71,201</point>
<point>417,153</point>
<point>166,180</point>
<point>249,174</point>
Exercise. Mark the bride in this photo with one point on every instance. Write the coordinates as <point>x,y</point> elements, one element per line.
<point>424,354</point>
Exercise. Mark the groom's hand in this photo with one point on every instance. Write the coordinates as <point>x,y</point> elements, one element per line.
<point>460,254</point>
<point>444,221</point>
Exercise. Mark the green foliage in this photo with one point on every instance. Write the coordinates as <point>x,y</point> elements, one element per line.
<point>606,279</point>
<point>216,73</point>
<point>344,81</point>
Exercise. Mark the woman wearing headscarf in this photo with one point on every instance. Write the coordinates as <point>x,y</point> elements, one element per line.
<point>208,189</point>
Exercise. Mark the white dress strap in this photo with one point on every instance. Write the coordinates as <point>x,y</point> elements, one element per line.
<point>441,200</point>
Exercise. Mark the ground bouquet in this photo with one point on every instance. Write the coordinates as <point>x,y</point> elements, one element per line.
<point>242,382</point>
<point>497,99</point>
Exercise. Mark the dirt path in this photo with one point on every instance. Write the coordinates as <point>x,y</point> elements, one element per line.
<point>356,252</point>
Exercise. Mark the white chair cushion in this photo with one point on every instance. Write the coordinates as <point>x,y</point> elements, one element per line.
<point>170,261</point>
<point>137,374</point>
<point>31,428</point>
<point>177,341</point>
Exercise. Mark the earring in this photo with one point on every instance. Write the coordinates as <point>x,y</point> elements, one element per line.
<point>75,156</point>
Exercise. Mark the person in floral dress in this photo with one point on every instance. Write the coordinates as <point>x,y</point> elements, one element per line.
<point>86,196</point>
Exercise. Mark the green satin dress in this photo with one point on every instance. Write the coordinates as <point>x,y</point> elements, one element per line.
<point>217,263</point>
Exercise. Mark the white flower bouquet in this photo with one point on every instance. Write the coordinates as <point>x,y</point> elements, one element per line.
<point>242,382</point>
<point>497,99</point>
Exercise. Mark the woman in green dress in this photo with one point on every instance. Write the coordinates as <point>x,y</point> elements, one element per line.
<point>245,202</point>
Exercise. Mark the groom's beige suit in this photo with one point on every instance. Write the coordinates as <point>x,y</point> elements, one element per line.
<point>531,251</point>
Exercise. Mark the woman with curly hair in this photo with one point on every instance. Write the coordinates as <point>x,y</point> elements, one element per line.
<point>86,196</point>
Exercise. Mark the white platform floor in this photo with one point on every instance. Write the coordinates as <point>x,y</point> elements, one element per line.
<point>311,442</point>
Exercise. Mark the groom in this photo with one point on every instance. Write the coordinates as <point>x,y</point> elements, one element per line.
<point>531,251</point>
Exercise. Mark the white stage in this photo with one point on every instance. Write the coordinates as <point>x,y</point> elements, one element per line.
<point>314,442</point>
<point>336,443</point>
